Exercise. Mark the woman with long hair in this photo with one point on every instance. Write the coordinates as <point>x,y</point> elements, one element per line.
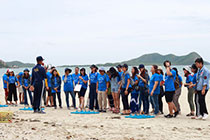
<point>56,88</point>
<point>135,91</point>
<point>162,92</point>
<point>191,90</point>
<point>114,81</point>
<point>83,80</point>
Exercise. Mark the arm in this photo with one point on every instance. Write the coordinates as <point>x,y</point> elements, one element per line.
<point>168,71</point>
<point>140,77</point>
<point>97,87</point>
<point>154,87</point>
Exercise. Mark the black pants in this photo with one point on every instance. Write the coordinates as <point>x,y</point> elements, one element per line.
<point>197,105</point>
<point>44,96</point>
<point>38,93</point>
<point>59,98</point>
<point>93,97</point>
<point>125,99</point>
<point>160,96</point>
<point>202,102</point>
<point>12,91</point>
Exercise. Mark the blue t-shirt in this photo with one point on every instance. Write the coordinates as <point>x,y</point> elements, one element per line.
<point>161,77</point>
<point>120,75</point>
<point>49,76</point>
<point>68,84</point>
<point>20,78</point>
<point>169,81</point>
<point>134,91</point>
<point>180,81</point>
<point>127,76</point>
<point>26,82</point>
<point>12,79</point>
<point>55,85</point>
<point>5,78</point>
<point>142,84</point>
<point>93,77</point>
<point>189,79</point>
<point>82,83</point>
<point>155,77</point>
<point>102,80</point>
<point>76,78</point>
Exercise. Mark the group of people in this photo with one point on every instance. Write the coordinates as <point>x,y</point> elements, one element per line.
<point>106,88</point>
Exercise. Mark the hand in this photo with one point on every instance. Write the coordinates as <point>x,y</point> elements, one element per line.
<point>126,92</point>
<point>96,90</point>
<point>47,88</point>
<point>119,90</point>
<point>190,86</point>
<point>80,77</point>
<point>203,92</point>
<point>7,89</point>
<point>106,90</point>
<point>152,92</point>
<point>32,88</point>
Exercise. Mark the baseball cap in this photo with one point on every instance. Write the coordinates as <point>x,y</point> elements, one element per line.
<point>39,58</point>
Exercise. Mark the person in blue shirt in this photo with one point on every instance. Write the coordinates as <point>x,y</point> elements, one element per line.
<point>126,89</point>
<point>194,70</point>
<point>20,88</point>
<point>76,76</point>
<point>202,87</point>
<point>191,90</point>
<point>83,80</point>
<point>178,91</point>
<point>162,92</point>
<point>154,88</point>
<point>135,93</point>
<point>11,86</point>
<point>26,83</point>
<point>119,69</point>
<point>56,88</point>
<point>38,84</point>
<point>49,88</point>
<point>69,87</point>
<point>144,89</point>
<point>170,78</point>
<point>5,77</point>
<point>102,89</point>
<point>93,95</point>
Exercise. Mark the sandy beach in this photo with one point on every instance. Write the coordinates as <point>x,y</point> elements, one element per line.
<point>60,124</point>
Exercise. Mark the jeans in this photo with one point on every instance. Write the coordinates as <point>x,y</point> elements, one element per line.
<point>191,92</point>
<point>93,96</point>
<point>176,99</point>
<point>59,98</point>
<point>154,99</point>
<point>134,102</point>
<point>144,96</point>
<point>25,96</point>
<point>73,96</point>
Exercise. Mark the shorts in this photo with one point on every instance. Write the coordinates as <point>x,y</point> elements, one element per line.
<point>169,96</point>
<point>20,89</point>
<point>49,92</point>
<point>114,89</point>
<point>82,92</point>
<point>6,92</point>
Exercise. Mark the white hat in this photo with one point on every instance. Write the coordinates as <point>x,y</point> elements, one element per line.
<point>11,70</point>
<point>160,68</point>
<point>187,68</point>
<point>102,69</point>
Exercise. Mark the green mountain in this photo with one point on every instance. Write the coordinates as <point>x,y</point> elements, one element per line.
<point>19,64</point>
<point>158,59</point>
<point>3,64</point>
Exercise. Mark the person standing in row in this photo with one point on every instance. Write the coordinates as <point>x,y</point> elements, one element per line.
<point>38,84</point>
<point>162,92</point>
<point>102,89</point>
<point>126,89</point>
<point>5,80</point>
<point>69,87</point>
<point>75,76</point>
<point>170,78</point>
<point>202,87</point>
<point>191,90</point>
<point>56,88</point>
<point>115,82</point>
<point>83,80</point>
<point>26,83</point>
<point>49,88</point>
<point>20,88</point>
<point>12,87</point>
<point>135,92</point>
<point>93,95</point>
<point>144,89</point>
<point>178,90</point>
<point>154,88</point>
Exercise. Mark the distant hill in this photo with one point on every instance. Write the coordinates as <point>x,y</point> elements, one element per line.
<point>158,59</point>
<point>3,64</point>
<point>19,64</point>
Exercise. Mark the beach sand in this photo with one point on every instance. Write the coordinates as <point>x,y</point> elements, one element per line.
<point>60,124</point>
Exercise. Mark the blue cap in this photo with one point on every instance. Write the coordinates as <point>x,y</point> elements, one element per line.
<point>141,66</point>
<point>39,58</point>
<point>26,70</point>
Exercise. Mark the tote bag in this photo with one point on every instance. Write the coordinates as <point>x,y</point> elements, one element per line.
<point>77,88</point>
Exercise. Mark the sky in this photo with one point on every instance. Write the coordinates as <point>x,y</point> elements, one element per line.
<point>99,31</point>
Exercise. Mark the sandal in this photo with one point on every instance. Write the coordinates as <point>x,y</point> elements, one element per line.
<point>190,115</point>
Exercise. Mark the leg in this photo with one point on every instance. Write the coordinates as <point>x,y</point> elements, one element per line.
<point>73,96</point>
<point>100,100</point>
<point>197,105</point>
<point>25,95</point>
<point>91,97</point>
<point>59,99</point>
<point>190,100</point>
<point>30,96</point>
<point>54,99</point>
<point>67,99</point>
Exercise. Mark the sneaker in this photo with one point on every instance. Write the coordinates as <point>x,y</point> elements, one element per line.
<point>199,117</point>
<point>104,111</point>
<point>41,112</point>
<point>190,115</point>
<point>176,114</point>
<point>169,116</point>
<point>61,107</point>
<point>205,116</point>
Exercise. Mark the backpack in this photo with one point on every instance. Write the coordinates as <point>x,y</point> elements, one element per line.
<point>176,82</point>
